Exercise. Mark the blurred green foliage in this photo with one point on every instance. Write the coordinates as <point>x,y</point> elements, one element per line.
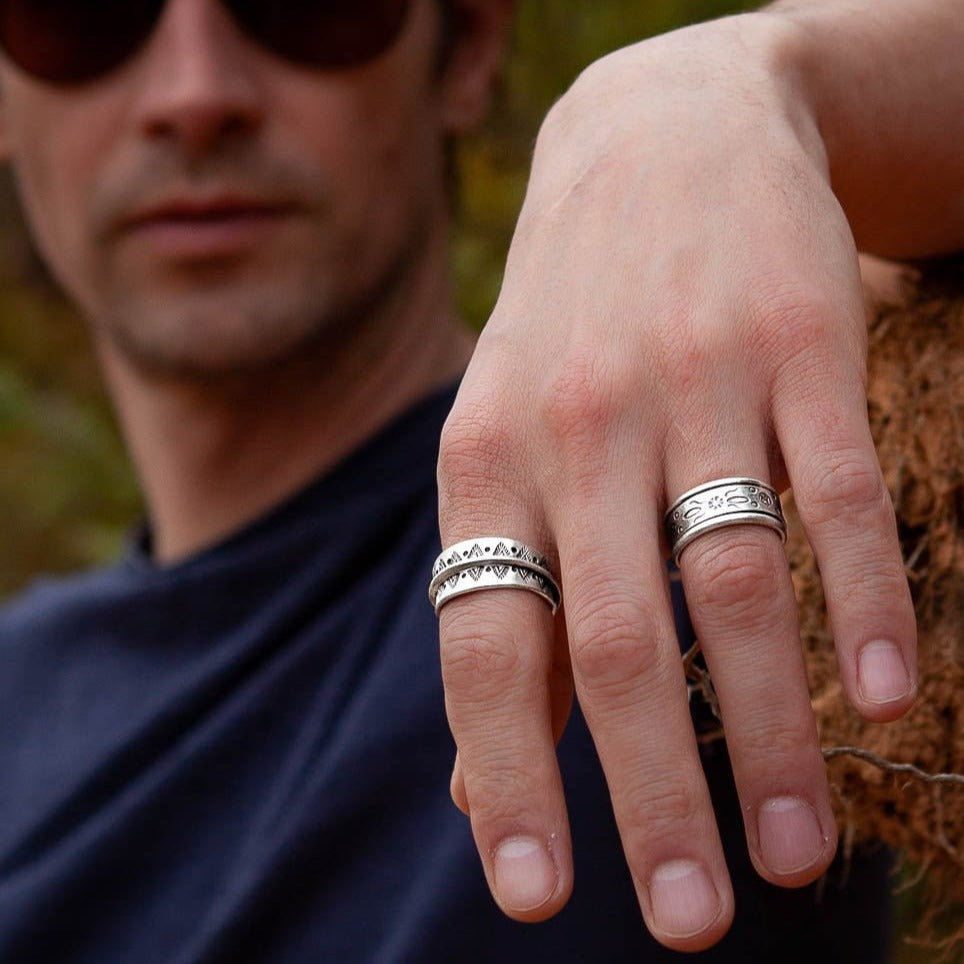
<point>66,492</point>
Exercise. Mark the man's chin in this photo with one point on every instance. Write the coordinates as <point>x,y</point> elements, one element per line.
<point>212,344</point>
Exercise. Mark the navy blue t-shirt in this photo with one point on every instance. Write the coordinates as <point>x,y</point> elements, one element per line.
<point>244,757</point>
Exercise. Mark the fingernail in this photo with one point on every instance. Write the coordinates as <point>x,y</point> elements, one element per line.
<point>683,898</point>
<point>525,876</point>
<point>790,835</point>
<point>881,674</point>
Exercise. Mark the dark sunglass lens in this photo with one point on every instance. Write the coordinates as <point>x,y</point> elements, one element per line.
<point>72,41</point>
<point>323,33</point>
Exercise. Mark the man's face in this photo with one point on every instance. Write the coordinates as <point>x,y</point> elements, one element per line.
<point>213,208</point>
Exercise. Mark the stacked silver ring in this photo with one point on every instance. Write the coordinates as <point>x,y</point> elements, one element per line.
<point>491,562</point>
<point>722,502</point>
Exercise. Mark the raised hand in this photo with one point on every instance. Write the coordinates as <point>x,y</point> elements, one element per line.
<point>681,304</point>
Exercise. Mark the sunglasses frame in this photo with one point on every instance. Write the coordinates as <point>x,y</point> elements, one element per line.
<point>70,43</point>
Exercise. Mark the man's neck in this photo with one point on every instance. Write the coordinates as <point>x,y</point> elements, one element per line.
<point>214,456</point>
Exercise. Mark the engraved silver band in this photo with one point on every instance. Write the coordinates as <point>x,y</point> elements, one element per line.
<point>491,562</point>
<point>472,553</point>
<point>722,502</point>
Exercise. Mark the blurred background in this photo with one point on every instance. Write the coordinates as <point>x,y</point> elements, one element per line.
<point>67,494</point>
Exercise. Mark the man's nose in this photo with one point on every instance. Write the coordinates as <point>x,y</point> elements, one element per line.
<point>195,82</point>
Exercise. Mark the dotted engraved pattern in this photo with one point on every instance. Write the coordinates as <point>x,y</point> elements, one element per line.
<point>716,502</point>
<point>493,550</point>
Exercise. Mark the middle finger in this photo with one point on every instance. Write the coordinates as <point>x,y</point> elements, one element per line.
<point>628,674</point>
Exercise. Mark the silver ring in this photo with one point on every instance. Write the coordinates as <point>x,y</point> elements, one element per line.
<point>491,562</point>
<point>722,502</point>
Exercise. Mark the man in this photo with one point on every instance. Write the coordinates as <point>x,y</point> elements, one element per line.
<point>231,746</point>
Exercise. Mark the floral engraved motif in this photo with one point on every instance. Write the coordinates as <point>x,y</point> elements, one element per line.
<point>736,500</point>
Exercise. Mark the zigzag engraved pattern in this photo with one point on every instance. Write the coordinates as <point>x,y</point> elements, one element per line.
<point>492,549</point>
<point>497,577</point>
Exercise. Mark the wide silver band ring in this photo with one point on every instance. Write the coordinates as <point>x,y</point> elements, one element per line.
<point>490,550</point>
<point>722,502</point>
<point>491,562</point>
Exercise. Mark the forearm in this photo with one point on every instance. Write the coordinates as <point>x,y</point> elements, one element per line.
<point>885,80</point>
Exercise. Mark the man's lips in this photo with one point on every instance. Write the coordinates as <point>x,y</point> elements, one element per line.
<point>193,229</point>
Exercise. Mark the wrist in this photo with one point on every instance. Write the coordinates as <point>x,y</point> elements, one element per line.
<point>881,80</point>
<point>784,51</point>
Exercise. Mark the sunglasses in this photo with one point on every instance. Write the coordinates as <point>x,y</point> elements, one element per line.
<point>75,41</point>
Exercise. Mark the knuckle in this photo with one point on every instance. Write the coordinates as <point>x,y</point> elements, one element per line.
<point>795,331</point>
<point>773,743</point>
<point>772,731</point>
<point>792,311</point>
<point>731,577</point>
<point>476,661</point>
<point>685,354</point>
<point>878,582</point>
<point>583,401</point>
<point>790,741</point>
<point>672,808</point>
<point>613,641</point>
<point>848,484</point>
<point>505,791</point>
<point>498,789</point>
<point>475,450</point>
